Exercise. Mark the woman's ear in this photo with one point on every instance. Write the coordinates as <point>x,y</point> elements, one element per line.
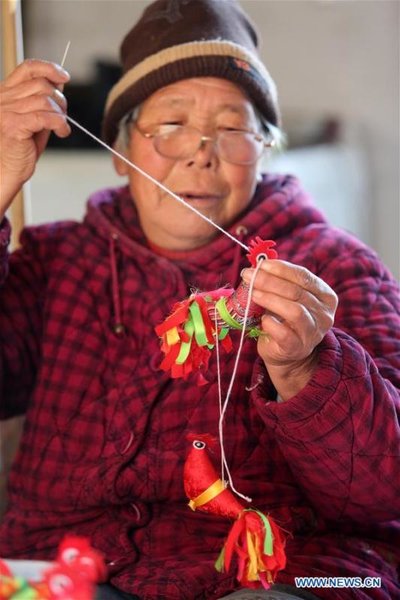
<point>120,166</point>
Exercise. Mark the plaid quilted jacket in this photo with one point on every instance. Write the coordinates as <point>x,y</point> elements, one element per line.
<point>105,436</point>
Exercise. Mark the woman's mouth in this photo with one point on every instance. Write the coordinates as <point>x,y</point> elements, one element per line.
<point>200,197</point>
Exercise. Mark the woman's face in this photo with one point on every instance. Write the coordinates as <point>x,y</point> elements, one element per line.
<point>218,189</point>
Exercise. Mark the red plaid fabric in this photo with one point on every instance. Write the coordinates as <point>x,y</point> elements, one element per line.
<point>105,436</point>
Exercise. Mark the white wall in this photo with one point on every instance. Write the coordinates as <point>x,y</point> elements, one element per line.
<point>337,57</point>
<point>342,57</point>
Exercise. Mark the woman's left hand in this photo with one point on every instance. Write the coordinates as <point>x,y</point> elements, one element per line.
<point>299,310</point>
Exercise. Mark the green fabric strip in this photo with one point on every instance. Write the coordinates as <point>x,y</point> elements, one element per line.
<point>199,328</point>
<point>254,332</point>
<point>268,540</point>
<point>223,333</point>
<point>224,314</point>
<point>219,563</point>
<point>185,346</point>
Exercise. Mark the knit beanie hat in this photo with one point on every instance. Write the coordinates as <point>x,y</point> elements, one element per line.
<point>180,39</point>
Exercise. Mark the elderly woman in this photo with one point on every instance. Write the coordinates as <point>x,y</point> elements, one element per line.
<point>310,433</point>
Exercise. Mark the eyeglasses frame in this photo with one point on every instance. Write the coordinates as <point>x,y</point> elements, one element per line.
<point>204,139</point>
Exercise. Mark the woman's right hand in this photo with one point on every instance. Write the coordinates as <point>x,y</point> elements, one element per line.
<point>31,106</point>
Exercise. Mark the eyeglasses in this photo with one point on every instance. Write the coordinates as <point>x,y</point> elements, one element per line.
<point>182,141</point>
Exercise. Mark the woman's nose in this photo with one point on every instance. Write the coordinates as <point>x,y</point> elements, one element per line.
<point>206,154</point>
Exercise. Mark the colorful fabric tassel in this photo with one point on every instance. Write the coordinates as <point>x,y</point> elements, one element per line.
<point>189,334</point>
<point>258,545</point>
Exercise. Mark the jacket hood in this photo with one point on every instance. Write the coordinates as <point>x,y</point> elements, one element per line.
<point>279,207</point>
<point>112,213</point>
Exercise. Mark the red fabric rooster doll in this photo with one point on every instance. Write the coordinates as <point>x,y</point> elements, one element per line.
<point>254,539</point>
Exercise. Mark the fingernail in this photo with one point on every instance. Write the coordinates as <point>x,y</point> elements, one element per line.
<point>63,72</point>
<point>58,94</point>
<point>266,265</point>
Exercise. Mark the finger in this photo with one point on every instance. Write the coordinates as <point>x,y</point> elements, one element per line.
<point>38,103</point>
<point>31,69</point>
<point>38,86</point>
<point>295,274</point>
<point>297,316</point>
<point>280,304</point>
<point>285,338</point>
<point>290,281</point>
<point>266,282</point>
<point>41,140</point>
<point>23,126</point>
<point>289,342</point>
<point>311,310</point>
<point>61,100</point>
<point>279,343</point>
<point>53,122</point>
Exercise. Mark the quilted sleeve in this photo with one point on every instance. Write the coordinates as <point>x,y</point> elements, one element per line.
<point>22,293</point>
<point>5,235</point>
<point>22,283</point>
<point>341,433</point>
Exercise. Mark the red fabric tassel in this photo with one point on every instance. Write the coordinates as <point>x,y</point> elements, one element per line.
<point>256,561</point>
<point>173,335</point>
<point>204,327</point>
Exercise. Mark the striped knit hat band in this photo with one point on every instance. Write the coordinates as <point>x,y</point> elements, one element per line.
<point>155,54</point>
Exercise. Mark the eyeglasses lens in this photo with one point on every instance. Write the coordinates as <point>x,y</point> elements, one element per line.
<point>178,143</point>
<point>236,147</point>
<point>239,147</point>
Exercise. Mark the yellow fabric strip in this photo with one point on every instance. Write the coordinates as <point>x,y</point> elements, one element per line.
<point>209,494</point>
<point>252,569</point>
<point>172,336</point>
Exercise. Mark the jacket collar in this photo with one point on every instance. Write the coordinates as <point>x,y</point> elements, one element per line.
<point>111,212</point>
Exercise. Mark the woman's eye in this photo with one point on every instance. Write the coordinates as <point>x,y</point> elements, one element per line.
<point>232,129</point>
<point>169,126</point>
<point>166,128</point>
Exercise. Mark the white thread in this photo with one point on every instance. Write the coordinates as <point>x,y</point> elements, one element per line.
<point>160,185</point>
<point>253,387</point>
<point>222,409</point>
<point>65,53</point>
<point>230,387</point>
<point>219,389</point>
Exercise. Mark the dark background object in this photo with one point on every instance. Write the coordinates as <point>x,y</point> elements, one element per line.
<point>85,105</point>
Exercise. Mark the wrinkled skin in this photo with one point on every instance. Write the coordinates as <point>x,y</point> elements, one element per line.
<point>31,106</point>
